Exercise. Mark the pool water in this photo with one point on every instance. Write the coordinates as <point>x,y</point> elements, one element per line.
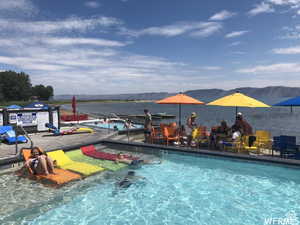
<point>182,190</point>
<point>112,125</point>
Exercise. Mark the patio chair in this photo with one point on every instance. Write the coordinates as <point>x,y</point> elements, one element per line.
<point>170,134</point>
<point>263,139</point>
<point>287,146</point>
<point>245,146</point>
<point>7,134</point>
<point>156,135</point>
<point>199,136</point>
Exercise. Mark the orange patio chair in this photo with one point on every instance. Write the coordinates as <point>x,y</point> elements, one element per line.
<point>170,134</point>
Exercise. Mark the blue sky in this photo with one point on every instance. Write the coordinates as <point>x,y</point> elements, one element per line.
<point>130,46</point>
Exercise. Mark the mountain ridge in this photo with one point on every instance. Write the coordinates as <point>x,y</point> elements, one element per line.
<point>265,93</point>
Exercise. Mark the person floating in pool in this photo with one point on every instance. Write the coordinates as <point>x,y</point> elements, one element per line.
<point>129,179</point>
<point>134,162</point>
<point>39,162</point>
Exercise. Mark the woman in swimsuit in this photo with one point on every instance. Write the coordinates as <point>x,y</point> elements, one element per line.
<point>133,162</point>
<point>39,162</point>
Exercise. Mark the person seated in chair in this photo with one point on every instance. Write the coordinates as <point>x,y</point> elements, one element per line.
<point>219,134</point>
<point>246,128</point>
<point>39,163</point>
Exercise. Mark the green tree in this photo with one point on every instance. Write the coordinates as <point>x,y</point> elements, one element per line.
<point>14,86</point>
<point>42,92</point>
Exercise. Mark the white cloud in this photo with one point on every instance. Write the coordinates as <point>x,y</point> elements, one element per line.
<point>268,6</point>
<point>287,51</point>
<point>223,15</point>
<point>83,41</point>
<point>292,3</point>
<point>261,8</point>
<point>200,29</point>
<point>69,24</point>
<point>236,34</point>
<point>59,61</point>
<point>236,43</point>
<point>273,68</point>
<point>92,4</point>
<point>207,30</point>
<point>211,68</point>
<point>291,32</point>
<point>239,53</point>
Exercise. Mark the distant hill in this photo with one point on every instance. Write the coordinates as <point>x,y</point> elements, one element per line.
<point>138,96</point>
<point>268,94</point>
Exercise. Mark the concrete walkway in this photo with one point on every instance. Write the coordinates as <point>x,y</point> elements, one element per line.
<point>47,142</point>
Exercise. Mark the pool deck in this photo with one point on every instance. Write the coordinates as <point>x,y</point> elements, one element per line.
<point>47,142</point>
<point>121,142</point>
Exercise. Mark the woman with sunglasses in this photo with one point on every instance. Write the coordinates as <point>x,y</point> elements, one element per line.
<point>39,162</point>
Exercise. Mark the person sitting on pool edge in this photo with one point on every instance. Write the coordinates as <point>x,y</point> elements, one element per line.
<point>39,162</point>
<point>133,162</point>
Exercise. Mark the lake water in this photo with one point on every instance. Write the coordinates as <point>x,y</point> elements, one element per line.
<point>277,120</point>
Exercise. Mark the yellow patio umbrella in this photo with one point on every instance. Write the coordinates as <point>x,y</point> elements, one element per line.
<point>238,100</point>
<point>180,99</point>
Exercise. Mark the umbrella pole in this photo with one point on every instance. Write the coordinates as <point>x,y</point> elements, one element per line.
<point>236,111</point>
<point>180,116</point>
<point>291,109</point>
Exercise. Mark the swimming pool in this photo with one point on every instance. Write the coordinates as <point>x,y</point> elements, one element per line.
<point>183,190</point>
<point>113,125</point>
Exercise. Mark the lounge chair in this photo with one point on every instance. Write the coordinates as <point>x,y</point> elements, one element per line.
<point>77,130</point>
<point>59,177</point>
<point>64,162</point>
<point>78,156</point>
<point>92,152</point>
<point>8,135</point>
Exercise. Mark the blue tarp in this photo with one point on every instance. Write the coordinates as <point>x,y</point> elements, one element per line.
<point>37,105</point>
<point>14,107</point>
<point>289,102</point>
<point>9,135</point>
<point>4,129</point>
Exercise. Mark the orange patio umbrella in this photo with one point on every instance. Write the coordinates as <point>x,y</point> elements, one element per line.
<point>180,99</point>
